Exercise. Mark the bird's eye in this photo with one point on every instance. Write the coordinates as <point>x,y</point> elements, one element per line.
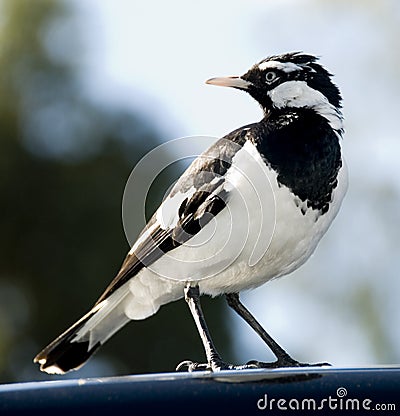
<point>270,76</point>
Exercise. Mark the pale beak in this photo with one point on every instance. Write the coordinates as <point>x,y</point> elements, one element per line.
<point>234,82</point>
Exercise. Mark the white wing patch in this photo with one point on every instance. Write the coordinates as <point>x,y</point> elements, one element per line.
<point>168,213</point>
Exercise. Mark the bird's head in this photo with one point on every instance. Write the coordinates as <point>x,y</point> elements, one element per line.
<point>289,80</point>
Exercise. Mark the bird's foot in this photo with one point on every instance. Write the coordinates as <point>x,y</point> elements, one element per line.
<point>214,365</point>
<point>217,364</point>
<point>284,362</point>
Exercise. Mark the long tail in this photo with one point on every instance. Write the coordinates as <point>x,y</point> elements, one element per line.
<point>63,354</point>
<point>78,343</point>
<point>137,299</point>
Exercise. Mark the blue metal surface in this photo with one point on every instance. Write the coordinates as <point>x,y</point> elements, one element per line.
<point>313,390</point>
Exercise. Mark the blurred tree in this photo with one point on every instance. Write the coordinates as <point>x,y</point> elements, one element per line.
<point>64,161</point>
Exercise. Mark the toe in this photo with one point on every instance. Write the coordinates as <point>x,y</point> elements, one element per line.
<point>191,366</point>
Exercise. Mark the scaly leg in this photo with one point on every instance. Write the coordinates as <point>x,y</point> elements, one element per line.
<point>283,358</point>
<point>214,360</point>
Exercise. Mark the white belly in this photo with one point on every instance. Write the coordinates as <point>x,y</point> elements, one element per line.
<point>261,235</point>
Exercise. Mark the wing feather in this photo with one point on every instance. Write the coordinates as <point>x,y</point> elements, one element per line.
<point>206,176</point>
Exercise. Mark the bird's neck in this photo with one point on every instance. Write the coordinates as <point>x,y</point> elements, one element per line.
<point>295,95</point>
<point>326,110</point>
<point>302,147</point>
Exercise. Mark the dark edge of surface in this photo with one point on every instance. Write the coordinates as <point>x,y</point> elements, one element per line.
<point>227,392</point>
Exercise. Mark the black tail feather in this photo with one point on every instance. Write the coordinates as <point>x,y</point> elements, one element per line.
<point>64,354</point>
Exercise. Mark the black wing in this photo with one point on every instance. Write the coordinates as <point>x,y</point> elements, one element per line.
<point>205,177</point>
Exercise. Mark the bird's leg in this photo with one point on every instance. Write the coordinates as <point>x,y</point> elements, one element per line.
<point>214,360</point>
<point>192,297</point>
<point>283,358</point>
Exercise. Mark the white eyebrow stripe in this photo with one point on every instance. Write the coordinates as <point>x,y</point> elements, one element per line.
<point>283,66</point>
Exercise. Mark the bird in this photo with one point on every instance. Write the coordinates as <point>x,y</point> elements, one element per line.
<point>251,208</point>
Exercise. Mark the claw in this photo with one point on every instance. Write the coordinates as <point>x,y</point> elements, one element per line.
<point>192,366</point>
<point>217,365</point>
<point>183,364</point>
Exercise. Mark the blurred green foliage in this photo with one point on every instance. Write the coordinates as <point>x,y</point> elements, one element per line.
<point>64,161</point>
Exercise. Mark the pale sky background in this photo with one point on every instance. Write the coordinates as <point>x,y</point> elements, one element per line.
<point>154,56</point>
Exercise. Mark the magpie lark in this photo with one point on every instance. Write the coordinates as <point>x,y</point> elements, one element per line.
<point>251,208</point>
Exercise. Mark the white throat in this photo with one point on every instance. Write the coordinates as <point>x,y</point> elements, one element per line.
<point>299,94</point>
